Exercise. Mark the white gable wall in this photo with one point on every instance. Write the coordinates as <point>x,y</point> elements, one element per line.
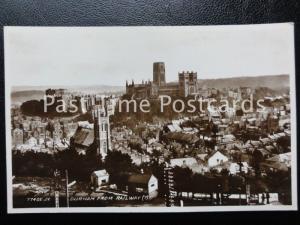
<point>152,184</point>
<point>217,159</point>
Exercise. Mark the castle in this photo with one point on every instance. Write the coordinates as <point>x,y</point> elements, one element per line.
<point>186,85</point>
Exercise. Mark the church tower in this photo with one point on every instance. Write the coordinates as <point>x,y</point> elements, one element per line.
<point>102,130</point>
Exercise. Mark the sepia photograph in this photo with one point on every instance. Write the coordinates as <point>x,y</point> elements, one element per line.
<point>150,119</point>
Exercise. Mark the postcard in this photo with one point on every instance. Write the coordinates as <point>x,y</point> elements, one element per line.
<point>150,119</point>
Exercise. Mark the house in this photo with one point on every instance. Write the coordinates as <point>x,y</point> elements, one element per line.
<point>278,162</point>
<point>99,178</point>
<point>189,139</point>
<point>251,121</point>
<point>183,162</point>
<point>216,158</point>
<point>229,138</point>
<point>265,141</point>
<point>264,153</point>
<point>202,157</point>
<point>174,128</point>
<point>252,144</point>
<point>197,166</point>
<point>190,130</point>
<point>146,184</point>
<point>284,120</point>
<point>18,136</point>
<point>83,139</point>
<point>214,114</point>
<point>270,148</point>
<point>31,141</point>
<point>235,168</point>
<point>274,166</point>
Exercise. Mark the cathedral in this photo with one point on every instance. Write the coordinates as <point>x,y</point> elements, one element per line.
<point>186,85</point>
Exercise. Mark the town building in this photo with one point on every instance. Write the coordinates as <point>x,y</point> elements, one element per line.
<point>236,168</point>
<point>216,158</point>
<point>99,178</point>
<point>18,137</point>
<point>183,162</point>
<point>83,140</point>
<point>146,184</point>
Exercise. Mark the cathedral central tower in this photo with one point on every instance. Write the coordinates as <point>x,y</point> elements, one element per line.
<point>159,77</point>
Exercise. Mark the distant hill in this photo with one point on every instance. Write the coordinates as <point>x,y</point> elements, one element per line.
<point>272,81</point>
<point>22,94</point>
<point>88,89</point>
<point>18,97</point>
<point>97,89</point>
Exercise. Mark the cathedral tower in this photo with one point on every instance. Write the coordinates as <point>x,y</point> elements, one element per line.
<point>187,83</point>
<point>159,73</point>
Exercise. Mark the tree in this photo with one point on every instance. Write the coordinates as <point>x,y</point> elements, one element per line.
<point>156,154</point>
<point>183,178</point>
<point>32,164</point>
<point>79,166</point>
<point>284,144</point>
<point>119,165</point>
<point>257,159</point>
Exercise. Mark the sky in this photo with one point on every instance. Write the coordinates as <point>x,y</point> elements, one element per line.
<point>112,55</point>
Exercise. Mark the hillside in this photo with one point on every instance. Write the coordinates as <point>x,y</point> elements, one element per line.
<point>273,82</point>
